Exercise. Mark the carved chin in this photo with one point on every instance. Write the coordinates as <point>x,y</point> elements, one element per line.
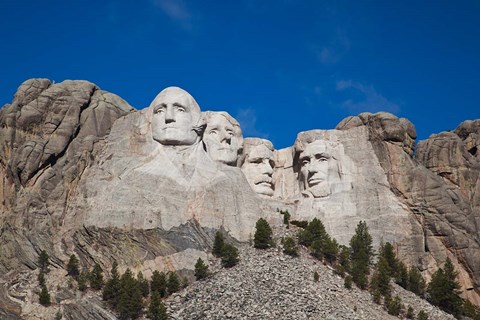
<point>321,190</point>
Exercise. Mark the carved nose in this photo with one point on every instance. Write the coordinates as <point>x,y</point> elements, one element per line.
<point>169,115</point>
<point>267,168</point>
<point>313,167</point>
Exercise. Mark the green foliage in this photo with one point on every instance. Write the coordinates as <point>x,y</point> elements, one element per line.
<point>443,289</point>
<point>388,253</point>
<point>290,246</point>
<point>159,283</point>
<point>58,315</point>
<point>344,260</point>
<point>361,254</point>
<point>156,309</point>
<point>320,243</point>
<point>41,279</point>
<point>422,315</point>
<point>72,266</point>
<point>218,244</point>
<point>401,276</point>
<point>43,261</point>
<point>44,297</point>
<point>380,282</point>
<point>348,282</point>
<point>229,256</point>
<point>394,306</point>
<point>201,269</point>
<point>316,276</point>
<point>330,249</point>
<point>130,303</point>
<point>301,224</point>
<point>96,277</point>
<point>111,290</point>
<point>173,283</point>
<point>316,249</point>
<point>470,310</point>
<point>286,217</point>
<point>263,235</point>
<point>416,283</point>
<point>185,282</point>
<point>315,230</point>
<point>82,279</point>
<point>143,284</point>
<point>410,313</point>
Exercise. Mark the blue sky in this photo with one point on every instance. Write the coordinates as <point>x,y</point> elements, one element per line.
<point>279,67</point>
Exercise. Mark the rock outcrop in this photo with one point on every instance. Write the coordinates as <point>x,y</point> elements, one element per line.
<point>83,172</point>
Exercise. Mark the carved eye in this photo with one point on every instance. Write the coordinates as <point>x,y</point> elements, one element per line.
<point>158,110</point>
<point>214,131</point>
<point>230,133</point>
<point>257,161</point>
<point>323,159</point>
<point>304,161</point>
<point>180,109</point>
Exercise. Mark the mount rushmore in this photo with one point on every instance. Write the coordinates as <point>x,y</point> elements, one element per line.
<point>83,172</point>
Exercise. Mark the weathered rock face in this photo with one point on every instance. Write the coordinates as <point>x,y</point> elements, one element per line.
<point>83,172</point>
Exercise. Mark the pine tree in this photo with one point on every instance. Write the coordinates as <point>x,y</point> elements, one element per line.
<point>330,249</point>
<point>41,279</point>
<point>381,279</point>
<point>173,283</point>
<point>96,277</point>
<point>43,261</point>
<point>156,309</point>
<point>344,260</point>
<point>72,266</point>
<point>290,246</point>
<point>315,230</point>
<point>263,235</point>
<point>286,217</point>
<point>401,276</point>
<point>143,284</point>
<point>387,251</point>
<point>361,254</point>
<point>130,303</point>
<point>218,244</point>
<point>394,306</point>
<point>159,283</point>
<point>44,297</point>
<point>416,283</point>
<point>443,289</point>
<point>316,249</point>
<point>111,290</point>
<point>201,269</point>
<point>348,282</point>
<point>229,256</point>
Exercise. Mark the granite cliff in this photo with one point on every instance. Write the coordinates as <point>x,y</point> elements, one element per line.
<point>83,172</point>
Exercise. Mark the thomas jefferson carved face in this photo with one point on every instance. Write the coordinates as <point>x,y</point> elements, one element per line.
<point>258,169</point>
<point>175,115</point>
<point>222,137</point>
<point>314,166</point>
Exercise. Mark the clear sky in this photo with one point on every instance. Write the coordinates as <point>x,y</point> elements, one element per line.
<point>279,67</point>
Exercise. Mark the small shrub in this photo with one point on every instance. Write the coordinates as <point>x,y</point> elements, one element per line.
<point>410,313</point>
<point>58,315</point>
<point>394,306</point>
<point>229,256</point>
<point>218,244</point>
<point>41,279</point>
<point>301,224</point>
<point>44,297</point>
<point>348,282</point>
<point>43,261</point>
<point>201,269</point>
<point>316,276</point>
<point>422,315</point>
<point>290,247</point>
<point>263,235</point>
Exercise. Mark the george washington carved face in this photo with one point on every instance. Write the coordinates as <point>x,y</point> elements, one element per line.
<point>176,117</point>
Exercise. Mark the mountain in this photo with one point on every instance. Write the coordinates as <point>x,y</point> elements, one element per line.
<point>84,173</point>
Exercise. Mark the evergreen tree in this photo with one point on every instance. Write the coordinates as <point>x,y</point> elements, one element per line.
<point>201,269</point>
<point>72,266</point>
<point>159,283</point>
<point>130,303</point>
<point>348,282</point>
<point>330,249</point>
<point>387,251</point>
<point>381,279</point>
<point>316,276</point>
<point>96,277</point>
<point>401,276</point>
<point>156,309</point>
<point>290,246</point>
<point>410,313</point>
<point>41,279</point>
<point>44,297</point>
<point>173,283</point>
<point>185,282</point>
<point>263,235</point>
<point>361,254</point>
<point>111,290</point>
<point>229,256</point>
<point>315,230</point>
<point>394,306</point>
<point>344,260</point>
<point>143,284</point>
<point>316,249</point>
<point>443,289</point>
<point>286,217</point>
<point>43,261</point>
<point>218,244</point>
<point>82,279</point>
<point>416,283</point>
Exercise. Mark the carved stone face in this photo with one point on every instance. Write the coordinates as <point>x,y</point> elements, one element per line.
<point>222,139</point>
<point>258,169</point>
<point>175,113</point>
<point>314,166</point>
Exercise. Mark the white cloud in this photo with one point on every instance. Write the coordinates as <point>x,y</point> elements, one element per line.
<point>366,98</point>
<point>248,122</point>
<point>177,11</point>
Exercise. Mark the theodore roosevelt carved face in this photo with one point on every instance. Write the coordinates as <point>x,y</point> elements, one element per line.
<point>223,137</point>
<point>176,118</point>
<point>258,165</point>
